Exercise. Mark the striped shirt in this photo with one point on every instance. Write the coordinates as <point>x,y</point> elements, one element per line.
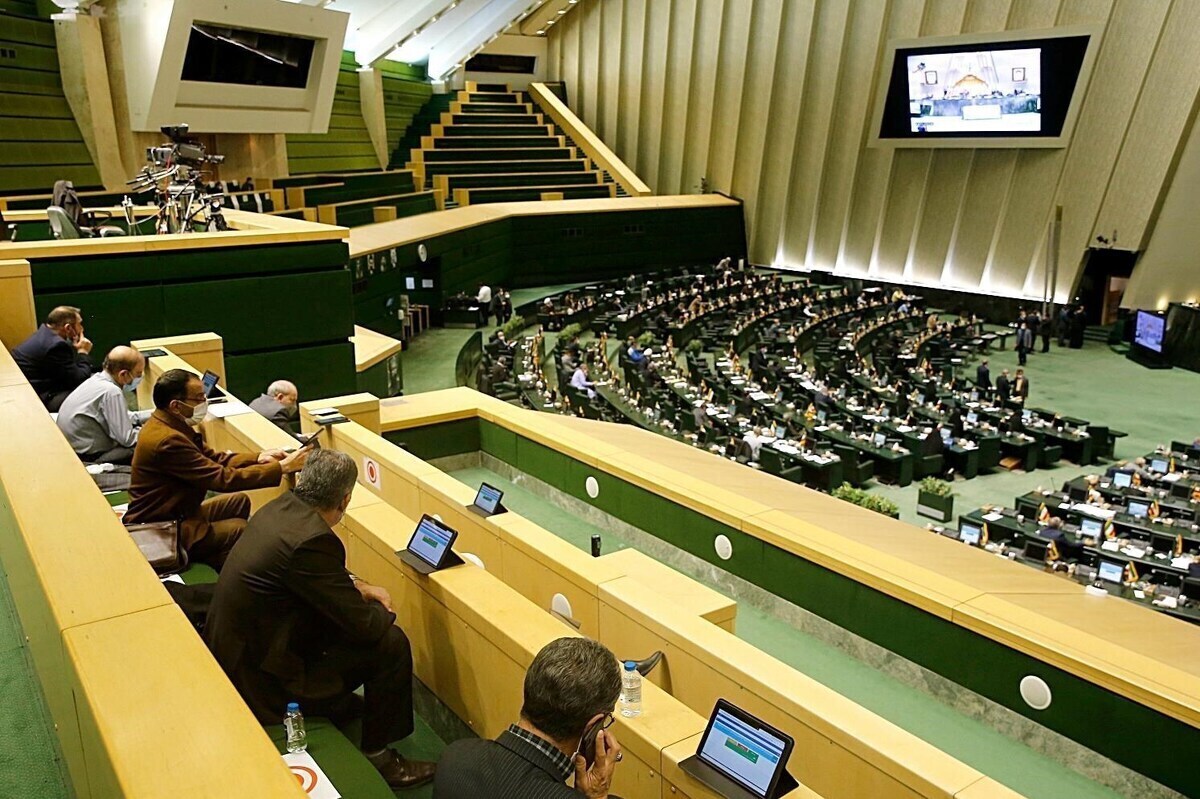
<point>95,417</point>
<point>555,755</point>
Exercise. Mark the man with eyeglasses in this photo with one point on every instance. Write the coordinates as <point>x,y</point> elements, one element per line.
<point>571,689</point>
<point>173,471</point>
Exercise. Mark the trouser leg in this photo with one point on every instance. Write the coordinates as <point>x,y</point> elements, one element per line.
<point>121,456</point>
<point>225,518</point>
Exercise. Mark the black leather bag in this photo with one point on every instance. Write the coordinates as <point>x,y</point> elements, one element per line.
<point>159,542</point>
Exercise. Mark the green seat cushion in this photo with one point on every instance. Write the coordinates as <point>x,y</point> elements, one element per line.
<point>198,574</point>
<point>345,766</point>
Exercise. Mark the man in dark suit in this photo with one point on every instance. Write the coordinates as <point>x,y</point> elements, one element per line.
<point>571,687</point>
<point>173,471</point>
<point>1024,342</point>
<point>1053,530</point>
<point>758,359</point>
<point>983,375</point>
<point>280,404</point>
<point>1020,386</point>
<point>55,359</point>
<point>289,623</point>
<point>1003,387</point>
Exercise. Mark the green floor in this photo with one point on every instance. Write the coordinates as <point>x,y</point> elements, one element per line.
<point>1002,758</point>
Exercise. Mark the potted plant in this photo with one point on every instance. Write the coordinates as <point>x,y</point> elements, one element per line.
<point>566,334</point>
<point>935,499</point>
<point>865,499</point>
<point>645,340</point>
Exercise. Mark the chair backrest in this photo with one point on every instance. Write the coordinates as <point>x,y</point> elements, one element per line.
<point>61,224</point>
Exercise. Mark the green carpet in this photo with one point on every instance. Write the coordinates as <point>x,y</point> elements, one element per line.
<point>1005,760</point>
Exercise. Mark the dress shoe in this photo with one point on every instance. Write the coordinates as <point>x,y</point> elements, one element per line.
<point>399,772</point>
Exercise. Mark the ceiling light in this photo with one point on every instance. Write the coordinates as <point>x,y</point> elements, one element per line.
<point>563,11</point>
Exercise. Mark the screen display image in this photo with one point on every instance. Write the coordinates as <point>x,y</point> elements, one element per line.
<point>969,534</point>
<point>1111,572</point>
<point>980,91</point>
<point>880,439</point>
<point>209,382</point>
<point>430,541</point>
<point>945,433</point>
<point>780,432</point>
<point>488,498</point>
<point>1122,479</point>
<point>1149,330</point>
<point>1137,509</point>
<point>221,54</point>
<point>972,417</point>
<point>1158,465</point>
<point>1026,416</point>
<point>1090,527</point>
<point>743,753</point>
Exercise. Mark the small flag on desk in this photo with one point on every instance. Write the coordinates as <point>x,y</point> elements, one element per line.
<point>1179,545</point>
<point>1133,574</point>
<point>983,538</point>
<point>1043,515</point>
<point>1052,552</point>
<point>1171,466</point>
<point>1136,482</point>
<point>1153,511</point>
<point>1107,529</point>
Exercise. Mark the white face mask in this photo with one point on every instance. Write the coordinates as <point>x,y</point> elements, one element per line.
<point>131,387</point>
<point>198,413</point>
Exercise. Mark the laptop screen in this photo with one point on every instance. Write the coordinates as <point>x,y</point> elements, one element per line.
<point>209,381</point>
<point>1159,465</point>
<point>969,534</point>
<point>1122,479</point>
<point>431,540</point>
<point>1111,572</point>
<point>972,417</point>
<point>880,439</point>
<point>746,751</point>
<point>488,498</point>
<point>1090,527</point>
<point>1137,509</point>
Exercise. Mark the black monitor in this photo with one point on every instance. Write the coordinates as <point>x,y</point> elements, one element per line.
<point>1122,479</point>
<point>970,533</point>
<point>1159,465</point>
<point>880,439</point>
<point>1077,493</point>
<point>1038,550</point>
<point>1191,588</point>
<point>1138,510</point>
<point>972,417</point>
<point>1111,572</point>
<point>1092,528</point>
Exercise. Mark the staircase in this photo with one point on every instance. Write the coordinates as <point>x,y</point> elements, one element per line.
<point>492,144</point>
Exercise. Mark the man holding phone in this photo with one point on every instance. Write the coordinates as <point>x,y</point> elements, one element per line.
<point>571,689</point>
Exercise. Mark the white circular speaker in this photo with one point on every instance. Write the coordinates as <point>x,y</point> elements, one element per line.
<point>1036,692</point>
<point>592,487</point>
<point>471,557</point>
<point>438,516</point>
<point>723,546</point>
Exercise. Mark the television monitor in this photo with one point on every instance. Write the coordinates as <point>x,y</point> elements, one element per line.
<point>1158,465</point>
<point>945,433</point>
<point>224,54</point>
<point>1137,510</point>
<point>969,533</point>
<point>1026,416</point>
<point>1191,588</point>
<point>1148,331</point>
<point>1112,572</point>
<point>880,439</point>
<point>1014,89</point>
<point>972,417</point>
<point>1090,527</point>
<point>1122,479</point>
<point>1037,550</point>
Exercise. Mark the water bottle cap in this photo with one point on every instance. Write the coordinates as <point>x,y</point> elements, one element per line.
<point>630,665</point>
<point>293,707</point>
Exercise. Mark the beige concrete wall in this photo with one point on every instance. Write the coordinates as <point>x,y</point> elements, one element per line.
<point>771,100</point>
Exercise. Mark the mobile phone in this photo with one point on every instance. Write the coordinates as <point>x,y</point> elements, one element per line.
<point>311,442</point>
<point>587,744</point>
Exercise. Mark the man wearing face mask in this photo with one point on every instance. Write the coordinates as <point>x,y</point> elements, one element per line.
<point>173,470</point>
<point>96,418</point>
<point>289,623</point>
<point>56,359</point>
<point>279,404</point>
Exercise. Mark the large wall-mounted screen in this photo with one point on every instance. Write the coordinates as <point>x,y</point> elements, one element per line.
<point>976,92</point>
<point>1149,330</point>
<point>220,54</point>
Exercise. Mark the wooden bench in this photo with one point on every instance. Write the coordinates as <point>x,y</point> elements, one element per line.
<point>464,197</point>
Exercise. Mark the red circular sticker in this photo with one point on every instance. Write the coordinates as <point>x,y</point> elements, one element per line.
<point>305,776</point>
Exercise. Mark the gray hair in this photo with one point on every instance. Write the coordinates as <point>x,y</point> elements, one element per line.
<point>281,387</point>
<point>569,681</point>
<point>328,476</point>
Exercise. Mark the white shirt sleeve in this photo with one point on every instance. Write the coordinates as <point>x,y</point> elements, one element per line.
<point>117,419</point>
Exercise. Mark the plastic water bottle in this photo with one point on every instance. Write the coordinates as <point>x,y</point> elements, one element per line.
<point>294,724</point>
<point>631,690</point>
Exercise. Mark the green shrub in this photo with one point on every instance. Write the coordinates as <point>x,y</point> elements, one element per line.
<point>569,332</point>
<point>941,488</point>
<point>645,340</point>
<point>865,499</point>
<point>513,327</point>
<point>695,346</point>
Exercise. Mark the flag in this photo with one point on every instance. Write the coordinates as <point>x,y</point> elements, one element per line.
<point>1136,481</point>
<point>1052,552</point>
<point>983,538</point>
<point>1171,465</point>
<point>1133,575</point>
<point>1043,515</point>
<point>1153,510</point>
<point>1107,529</point>
<point>1179,545</point>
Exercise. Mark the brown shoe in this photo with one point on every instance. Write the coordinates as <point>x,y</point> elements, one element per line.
<point>399,772</point>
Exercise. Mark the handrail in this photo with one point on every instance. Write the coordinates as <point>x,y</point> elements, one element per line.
<point>587,141</point>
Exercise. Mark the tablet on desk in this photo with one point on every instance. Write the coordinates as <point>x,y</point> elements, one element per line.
<point>430,547</point>
<point>741,756</point>
<point>209,382</point>
<point>487,501</point>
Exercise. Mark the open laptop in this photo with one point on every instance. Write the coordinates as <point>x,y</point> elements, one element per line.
<point>970,533</point>
<point>211,392</point>
<point>1122,479</point>
<point>487,501</point>
<point>430,547</point>
<point>741,756</point>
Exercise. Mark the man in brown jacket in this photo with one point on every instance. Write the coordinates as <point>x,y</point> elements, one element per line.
<point>173,470</point>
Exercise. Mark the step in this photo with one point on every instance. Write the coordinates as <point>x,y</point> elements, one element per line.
<point>496,154</point>
<point>489,97</point>
<point>490,142</point>
<point>491,108</point>
<point>529,193</point>
<point>491,130</point>
<point>484,180</point>
<point>492,119</point>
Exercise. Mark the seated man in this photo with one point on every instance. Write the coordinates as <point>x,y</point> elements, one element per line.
<point>1053,530</point>
<point>571,686</point>
<point>55,358</point>
<point>173,469</point>
<point>95,417</point>
<point>580,381</point>
<point>634,352</point>
<point>280,404</point>
<point>288,623</point>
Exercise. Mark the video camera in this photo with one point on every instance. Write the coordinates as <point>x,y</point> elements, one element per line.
<point>181,151</point>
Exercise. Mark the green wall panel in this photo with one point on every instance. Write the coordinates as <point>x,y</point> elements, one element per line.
<point>497,441</point>
<point>325,370</point>
<point>347,144</point>
<point>440,440</point>
<point>112,316</point>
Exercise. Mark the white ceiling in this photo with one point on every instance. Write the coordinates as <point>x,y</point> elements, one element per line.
<point>441,33</point>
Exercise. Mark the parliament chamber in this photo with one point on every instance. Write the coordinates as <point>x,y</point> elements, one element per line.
<point>827,366</point>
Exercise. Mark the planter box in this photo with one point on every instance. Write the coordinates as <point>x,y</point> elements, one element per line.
<point>935,507</point>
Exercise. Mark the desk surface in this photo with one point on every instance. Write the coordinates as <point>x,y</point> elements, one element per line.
<point>932,572</point>
<point>370,347</point>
